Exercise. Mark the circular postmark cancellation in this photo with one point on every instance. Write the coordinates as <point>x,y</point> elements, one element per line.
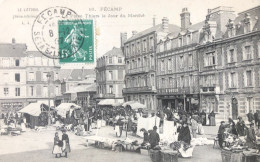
<point>57,33</point>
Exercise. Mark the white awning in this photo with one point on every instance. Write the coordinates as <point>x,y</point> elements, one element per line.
<point>134,105</point>
<point>34,109</point>
<point>64,107</point>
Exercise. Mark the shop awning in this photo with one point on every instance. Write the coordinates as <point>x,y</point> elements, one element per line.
<point>64,107</point>
<point>34,109</point>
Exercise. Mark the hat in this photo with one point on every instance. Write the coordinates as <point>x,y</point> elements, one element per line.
<point>154,127</point>
<point>239,117</point>
<point>222,122</point>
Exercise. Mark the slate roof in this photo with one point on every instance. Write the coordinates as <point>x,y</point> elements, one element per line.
<point>75,74</point>
<point>12,50</point>
<point>114,52</point>
<point>158,27</point>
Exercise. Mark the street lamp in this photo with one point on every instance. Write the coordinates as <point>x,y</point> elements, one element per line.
<point>49,77</point>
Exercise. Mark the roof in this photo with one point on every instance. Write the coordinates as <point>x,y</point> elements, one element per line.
<point>76,74</point>
<point>12,50</point>
<point>82,88</point>
<point>35,53</point>
<point>158,27</point>
<point>114,52</point>
<point>34,109</point>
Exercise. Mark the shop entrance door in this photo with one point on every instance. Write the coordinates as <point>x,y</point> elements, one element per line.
<point>234,109</point>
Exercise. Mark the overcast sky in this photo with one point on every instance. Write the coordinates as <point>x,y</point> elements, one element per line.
<point>109,28</point>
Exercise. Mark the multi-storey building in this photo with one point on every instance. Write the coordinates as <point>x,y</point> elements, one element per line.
<point>177,66</point>
<point>13,76</point>
<point>39,86</point>
<point>140,53</point>
<point>229,62</point>
<point>110,72</point>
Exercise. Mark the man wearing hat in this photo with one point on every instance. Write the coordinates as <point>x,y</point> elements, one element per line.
<point>240,126</point>
<point>184,133</point>
<point>154,137</point>
<point>221,131</point>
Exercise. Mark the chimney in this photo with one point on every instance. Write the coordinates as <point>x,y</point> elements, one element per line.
<point>154,23</point>
<point>123,38</point>
<point>13,41</point>
<point>82,73</point>
<point>185,19</point>
<point>134,33</point>
<point>165,24</point>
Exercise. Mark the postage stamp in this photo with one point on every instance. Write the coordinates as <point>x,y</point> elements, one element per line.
<point>45,30</point>
<point>76,41</point>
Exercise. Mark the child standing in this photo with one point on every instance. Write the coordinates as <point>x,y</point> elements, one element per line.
<point>57,148</point>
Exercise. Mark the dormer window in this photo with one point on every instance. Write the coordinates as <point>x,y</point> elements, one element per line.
<point>247,25</point>
<point>230,28</point>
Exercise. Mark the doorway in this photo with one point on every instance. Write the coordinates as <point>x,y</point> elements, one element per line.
<point>234,109</point>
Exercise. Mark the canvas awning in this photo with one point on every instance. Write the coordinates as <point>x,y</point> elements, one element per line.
<point>34,109</point>
<point>64,107</point>
<point>134,105</point>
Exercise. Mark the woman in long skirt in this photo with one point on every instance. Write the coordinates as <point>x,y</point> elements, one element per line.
<point>66,143</point>
<point>56,147</point>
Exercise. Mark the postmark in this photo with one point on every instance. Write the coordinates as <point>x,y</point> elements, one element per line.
<point>76,41</point>
<point>45,33</point>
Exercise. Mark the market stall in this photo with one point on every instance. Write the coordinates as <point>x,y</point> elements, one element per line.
<point>63,108</point>
<point>36,114</point>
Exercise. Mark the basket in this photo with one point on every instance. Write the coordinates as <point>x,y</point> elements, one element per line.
<point>155,155</point>
<point>169,156</point>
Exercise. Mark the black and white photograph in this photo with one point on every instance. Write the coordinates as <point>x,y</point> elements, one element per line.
<point>130,81</point>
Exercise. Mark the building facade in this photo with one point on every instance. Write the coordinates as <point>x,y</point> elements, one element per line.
<point>229,62</point>
<point>13,76</point>
<point>110,72</point>
<point>39,86</point>
<point>177,71</point>
<point>140,53</point>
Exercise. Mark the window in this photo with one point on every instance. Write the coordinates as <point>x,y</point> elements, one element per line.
<point>138,47</point>
<point>249,78</point>
<point>56,76</point>
<point>120,74</point>
<point>180,42</point>
<point>110,89</point>
<point>231,56</point>
<point>57,91</point>
<point>182,81</point>
<point>44,76</point>
<point>152,61</point>
<point>191,81</point>
<point>169,64</point>
<point>162,65</point>
<point>17,62</point>
<point>163,83</point>
<point>139,63</point>
<point>17,91</point>
<point>151,43</point>
<point>209,59</point>
<point>31,91</point>
<point>152,80</point>
<point>31,76</point>
<point>45,91</point>
<point>110,75</point>
<point>231,32</point>
<point>190,60</point>
<point>247,27</point>
<point>181,61</point>
<point>110,61</point>
<point>133,49</point>
<point>120,60</point>
<point>248,54</point>
<point>6,91</point>
<point>144,45</point>
<point>232,80</point>
<point>188,39</point>
<point>17,77</point>
<point>170,82</point>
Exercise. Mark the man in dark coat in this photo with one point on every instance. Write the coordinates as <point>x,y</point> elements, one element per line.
<point>256,116</point>
<point>250,116</point>
<point>184,133</point>
<point>240,126</point>
<point>154,137</point>
<point>203,116</point>
<point>221,134</point>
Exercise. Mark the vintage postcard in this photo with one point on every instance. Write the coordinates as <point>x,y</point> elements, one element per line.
<point>130,80</point>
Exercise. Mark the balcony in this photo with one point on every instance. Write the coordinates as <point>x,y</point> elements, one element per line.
<point>139,89</point>
<point>141,70</point>
<point>209,90</point>
<point>174,91</point>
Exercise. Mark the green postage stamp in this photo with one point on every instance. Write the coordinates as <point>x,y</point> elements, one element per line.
<point>76,41</point>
